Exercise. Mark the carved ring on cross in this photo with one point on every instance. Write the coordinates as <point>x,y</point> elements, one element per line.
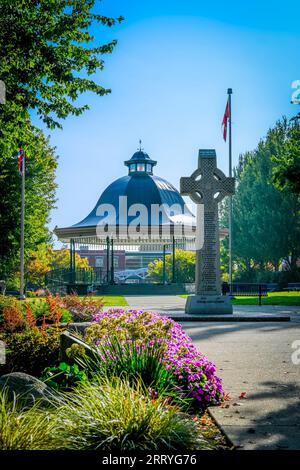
<point>207,189</point>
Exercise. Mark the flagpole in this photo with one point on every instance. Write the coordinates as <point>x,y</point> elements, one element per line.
<point>22,286</point>
<point>229,92</point>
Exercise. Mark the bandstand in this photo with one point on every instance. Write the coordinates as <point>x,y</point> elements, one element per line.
<point>138,218</point>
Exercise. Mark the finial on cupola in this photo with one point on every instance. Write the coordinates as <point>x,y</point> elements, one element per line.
<point>140,142</point>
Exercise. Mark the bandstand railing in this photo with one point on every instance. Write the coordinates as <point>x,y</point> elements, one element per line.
<point>60,279</point>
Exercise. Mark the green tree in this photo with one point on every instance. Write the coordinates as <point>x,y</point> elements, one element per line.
<point>48,54</point>
<point>224,260</point>
<point>185,267</point>
<point>266,224</point>
<point>41,164</point>
<point>61,259</point>
<point>287,162</point>
<point>45,258</point>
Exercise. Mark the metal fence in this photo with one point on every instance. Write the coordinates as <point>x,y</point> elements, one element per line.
<point>59,279</point>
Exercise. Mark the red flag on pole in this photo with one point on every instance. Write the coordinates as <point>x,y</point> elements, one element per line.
<point>21,161</point>
<point>225,120</point>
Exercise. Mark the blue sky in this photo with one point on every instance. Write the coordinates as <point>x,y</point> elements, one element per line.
<point>169,75</point>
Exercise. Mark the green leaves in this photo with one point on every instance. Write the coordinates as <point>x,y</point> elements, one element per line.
<point>185,267</point>
<point>43,44</point>
<point>113,358</point>
<point>47,56</point>
<point>287,163</point>
<point>266,222</point>
<point>39,197</point>
<point>64,376</point>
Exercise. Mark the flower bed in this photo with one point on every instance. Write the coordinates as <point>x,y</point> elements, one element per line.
<point>194,373</point>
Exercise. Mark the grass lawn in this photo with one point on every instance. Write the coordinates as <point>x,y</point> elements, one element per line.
<point>273,298</point>
<point>113,300</point>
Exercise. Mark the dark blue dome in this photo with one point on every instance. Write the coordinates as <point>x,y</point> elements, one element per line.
<point>140,155</point>
<point>139,188</point>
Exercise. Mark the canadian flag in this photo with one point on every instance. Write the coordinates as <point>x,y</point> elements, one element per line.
<point>225,120</point>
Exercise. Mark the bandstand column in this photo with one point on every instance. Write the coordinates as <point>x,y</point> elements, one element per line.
<point>173,260</point>
<point>107,260</point>
<point>112,268</point>
<point>72,261</point>
<point>164,264</point>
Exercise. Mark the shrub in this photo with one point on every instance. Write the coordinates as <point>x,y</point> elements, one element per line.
<point>130,361</point>
<point>105,414</point>
<point>194,374</point>
<point>64,376</point>
<point>110,414</point>
<point>40,309</point>
<point>30,318</point>
<point>31,350</point>
<point>30,293</point>
<point>13,319</point>
<point>82,309</point>
<point>41,293</point>
<point>5,301</point>
<point>54,308</point>
<point>21,429</point>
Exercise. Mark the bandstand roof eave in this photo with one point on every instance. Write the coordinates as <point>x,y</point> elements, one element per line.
<point>65,234</point>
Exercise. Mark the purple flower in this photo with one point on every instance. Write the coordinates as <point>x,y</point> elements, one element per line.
<point>192,370</point>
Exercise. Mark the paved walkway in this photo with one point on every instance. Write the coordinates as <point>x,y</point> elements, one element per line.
<point>173,306</point>
<point>156,302</point>
<point>254,358</point>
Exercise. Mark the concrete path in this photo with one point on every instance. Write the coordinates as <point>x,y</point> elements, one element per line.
<point>173,303</point>
<point>164,303</point>
<point>173,306</point>
<point>255,358</point>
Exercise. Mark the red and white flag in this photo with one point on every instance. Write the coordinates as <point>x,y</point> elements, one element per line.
<point>21,161</point>
<point>225,120</point>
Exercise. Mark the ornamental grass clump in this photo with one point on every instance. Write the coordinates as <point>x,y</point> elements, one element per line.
<point>131,362</point>
<point>194,374</point>
<point>110,414</point>
<point>20,429</point>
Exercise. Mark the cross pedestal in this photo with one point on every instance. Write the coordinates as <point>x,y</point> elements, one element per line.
<point>208,186</point>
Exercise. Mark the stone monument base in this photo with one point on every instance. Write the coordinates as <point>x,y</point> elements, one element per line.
<point>208,304</point>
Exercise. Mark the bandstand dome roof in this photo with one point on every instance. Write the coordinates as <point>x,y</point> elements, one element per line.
<point>138,189</point>
<point>140,186</point>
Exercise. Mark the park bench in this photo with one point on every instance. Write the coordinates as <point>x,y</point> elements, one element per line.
<point>246,289</point>
<point>292,286</point>
<point>272,286</point>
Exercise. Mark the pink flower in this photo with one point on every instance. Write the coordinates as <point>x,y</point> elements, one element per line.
<point>192,370</point>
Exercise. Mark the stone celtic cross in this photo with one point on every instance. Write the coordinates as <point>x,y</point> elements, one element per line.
<point>208,186</point>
